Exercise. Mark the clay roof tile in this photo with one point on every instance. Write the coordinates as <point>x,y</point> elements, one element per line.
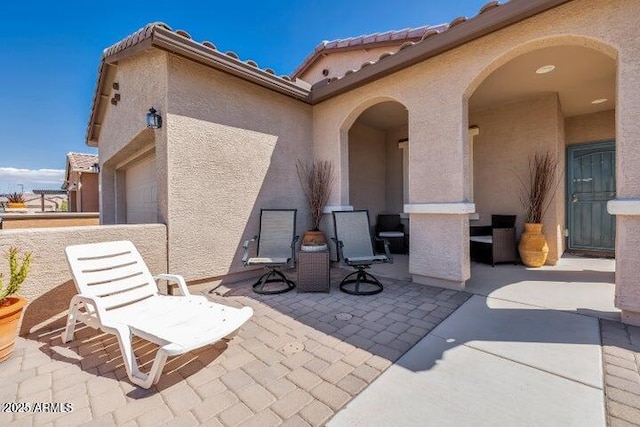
<point>491,5</point>
<point>81,161</point>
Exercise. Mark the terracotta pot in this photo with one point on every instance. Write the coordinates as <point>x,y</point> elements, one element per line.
<point>533,246</point>
<point>9,319</point>
<point>12,205</point>
<point>313,238</point>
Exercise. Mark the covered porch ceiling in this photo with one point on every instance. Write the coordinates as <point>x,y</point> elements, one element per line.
<point>578,74</point>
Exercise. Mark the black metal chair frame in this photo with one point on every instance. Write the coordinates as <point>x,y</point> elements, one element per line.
<point>503,241</point>
<point>273,275</point>
<point>361,276</point>
<point>391,222</point>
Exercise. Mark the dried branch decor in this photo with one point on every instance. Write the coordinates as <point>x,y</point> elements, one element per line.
<point>316,180</point>
<point>539,187</point>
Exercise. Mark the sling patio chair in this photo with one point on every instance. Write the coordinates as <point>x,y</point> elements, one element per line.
<point>118,295</point>
<point>276,241</point>
<point>355,248</point>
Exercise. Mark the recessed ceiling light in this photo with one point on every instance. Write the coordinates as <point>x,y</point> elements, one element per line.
<point>599,101</point>
<point>545,69</point>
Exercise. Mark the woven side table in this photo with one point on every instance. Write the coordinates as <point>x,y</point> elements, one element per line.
<point>313,272</point>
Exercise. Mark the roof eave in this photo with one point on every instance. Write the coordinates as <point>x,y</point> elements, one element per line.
<point>167,40</point>
<point>170,41</point>
<point>106,75</point>
<point>479,26</point>
<point>322,51</point>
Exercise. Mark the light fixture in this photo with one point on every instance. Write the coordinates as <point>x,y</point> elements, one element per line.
<point>154,121</point>
<point>545,69</point>
<point>599,101</point>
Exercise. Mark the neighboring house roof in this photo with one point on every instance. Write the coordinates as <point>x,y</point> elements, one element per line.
<point>365,42</point>
<point>79,162</point>
<point>48,192</point>
<point>493,16</point>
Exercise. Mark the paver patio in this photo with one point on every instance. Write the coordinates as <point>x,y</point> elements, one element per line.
<point>298,361</point>
<point>621,360</point>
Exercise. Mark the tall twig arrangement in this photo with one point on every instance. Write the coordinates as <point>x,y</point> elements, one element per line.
<point>539,186</point>
<point>316,179</point>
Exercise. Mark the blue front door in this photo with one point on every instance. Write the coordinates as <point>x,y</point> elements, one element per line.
<point>591,183</point>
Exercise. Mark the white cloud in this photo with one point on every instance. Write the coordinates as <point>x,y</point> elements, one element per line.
<point>13,179</point>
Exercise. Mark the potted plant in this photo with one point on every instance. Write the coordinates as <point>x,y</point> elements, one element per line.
<point>15,200</point>
<point>536,197</point>
<point>11,306</point>
<point>316,179</point>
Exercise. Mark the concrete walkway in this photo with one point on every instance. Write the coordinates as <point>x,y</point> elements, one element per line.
<point>528,353</point>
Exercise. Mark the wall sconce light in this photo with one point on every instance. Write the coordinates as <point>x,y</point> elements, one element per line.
<point>154,121</point>
<point>95,168</point>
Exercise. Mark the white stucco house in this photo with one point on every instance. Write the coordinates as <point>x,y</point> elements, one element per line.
<point>430,123</point>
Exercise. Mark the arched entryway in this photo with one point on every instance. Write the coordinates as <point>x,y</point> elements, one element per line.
<point>559,97</point>
<point>377,151</point>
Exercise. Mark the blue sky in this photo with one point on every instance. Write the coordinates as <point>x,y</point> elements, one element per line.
<point>50,53</point>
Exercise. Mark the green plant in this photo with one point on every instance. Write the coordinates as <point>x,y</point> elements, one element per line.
<point>539,186</point>
<point>18,273</point>
<point>15,198</point>
<point>316,180</point>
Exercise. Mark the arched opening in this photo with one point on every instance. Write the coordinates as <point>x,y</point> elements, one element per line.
<point>551,97</point>
<point>377,179</point>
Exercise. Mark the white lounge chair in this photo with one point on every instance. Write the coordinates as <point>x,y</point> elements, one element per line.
<point>118,295</point>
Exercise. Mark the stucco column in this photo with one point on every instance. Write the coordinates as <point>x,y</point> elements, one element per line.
<point>437,208</point>
<point>626,206</point>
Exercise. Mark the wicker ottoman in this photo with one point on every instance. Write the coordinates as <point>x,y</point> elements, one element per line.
<point>313,272</point>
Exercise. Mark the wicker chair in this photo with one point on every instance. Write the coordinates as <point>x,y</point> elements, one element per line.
<point>389,227</point>
<point>276,248</point>
<point>495,243</point>
<point>355,248</point>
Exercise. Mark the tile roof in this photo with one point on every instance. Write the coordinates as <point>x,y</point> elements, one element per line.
<point>413,50</point>
<point>148,31</point>
<point>81,162</point>
<point>159,34</point>
<point>410,35</point>
<point>381,39</point>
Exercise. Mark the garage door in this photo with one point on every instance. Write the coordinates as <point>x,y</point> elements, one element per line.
<point>142,192</point>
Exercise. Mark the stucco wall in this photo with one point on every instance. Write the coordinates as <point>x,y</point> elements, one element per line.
<point>438,119</point>
<point>232,150</point>
<point>142,81</point>
<point>338,63</point>
<point>367,169</point>
<point>89,192</point>
<point>591,127</point>
<point>509,135</point>
<point>49,285</point>
<point>48,220</point>
<point>394,180</point>
<point>628,296</point>
<point>559,204</point>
